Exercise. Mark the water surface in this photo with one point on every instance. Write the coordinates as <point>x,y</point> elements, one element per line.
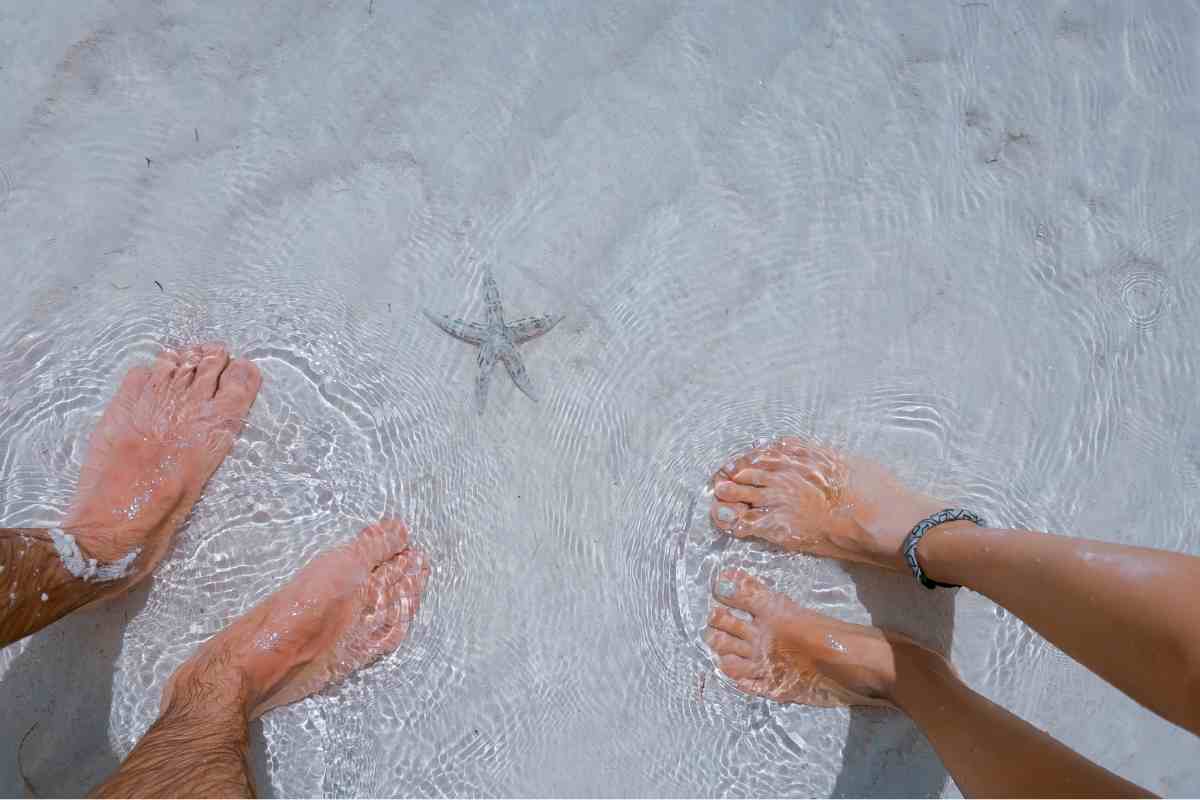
<point>958,237</point>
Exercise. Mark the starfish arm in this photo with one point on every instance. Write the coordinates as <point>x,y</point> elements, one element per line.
<point>467,331</point>
<point>516,371</point>
<point>487,362</point>
<point>491,299</point>
<point>532,327</point>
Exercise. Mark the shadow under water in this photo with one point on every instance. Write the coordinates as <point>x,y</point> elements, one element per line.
<point>885,754</point>
<point>58,690</point>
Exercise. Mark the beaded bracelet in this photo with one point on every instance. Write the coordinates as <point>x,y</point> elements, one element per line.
<point>909,549</point>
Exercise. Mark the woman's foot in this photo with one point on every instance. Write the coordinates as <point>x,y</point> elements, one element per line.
<point>345,609</point>
<point>814,500</point>
<point>161,437</point>
<point>793,655</point>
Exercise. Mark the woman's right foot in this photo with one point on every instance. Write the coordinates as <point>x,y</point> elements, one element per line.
<point>815,500</point>
<point>348,607</point>
<point>791,654</point>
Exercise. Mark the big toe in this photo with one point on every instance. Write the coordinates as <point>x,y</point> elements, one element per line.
<point>133,384</point>
<point>378,543</point>
<point>725,515</point>
<point>162,371</point>
<point>738,589</point>
<point>397,587</point>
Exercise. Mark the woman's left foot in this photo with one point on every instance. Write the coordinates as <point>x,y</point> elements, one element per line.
<point>791,654</point>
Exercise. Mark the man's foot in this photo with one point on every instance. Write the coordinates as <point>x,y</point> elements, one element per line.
<point>791,654</point>
<point>815,500</point>
<point>165,432</point>
<point>348,607</point>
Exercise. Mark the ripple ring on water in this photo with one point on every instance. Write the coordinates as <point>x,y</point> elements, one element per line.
<point>1144,295</point>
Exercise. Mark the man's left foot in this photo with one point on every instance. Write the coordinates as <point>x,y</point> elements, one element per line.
<point>161,437</point>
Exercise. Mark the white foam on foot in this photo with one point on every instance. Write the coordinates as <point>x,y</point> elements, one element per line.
<point>89,569</point>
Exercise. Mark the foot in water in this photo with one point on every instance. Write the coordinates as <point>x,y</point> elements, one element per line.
<point>348,607</point>
<point>793,655</point>
<point>815,500</point>
<point>161,437</point>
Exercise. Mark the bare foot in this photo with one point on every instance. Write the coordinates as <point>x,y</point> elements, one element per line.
<point>791,654</point>
<point>348,607</point>
<point>815,500</point>
<point>166,431</point>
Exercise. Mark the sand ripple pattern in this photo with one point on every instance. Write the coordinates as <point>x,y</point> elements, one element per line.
<point>5,187</point>
<point>931,258</point>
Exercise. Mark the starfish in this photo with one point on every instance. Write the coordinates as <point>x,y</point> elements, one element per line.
<point>497,339</point>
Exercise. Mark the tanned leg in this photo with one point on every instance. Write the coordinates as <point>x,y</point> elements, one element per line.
<point>790,654</point>
<point>1129,614</point>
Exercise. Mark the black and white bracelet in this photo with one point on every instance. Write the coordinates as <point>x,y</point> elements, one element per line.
<point>914,538</point>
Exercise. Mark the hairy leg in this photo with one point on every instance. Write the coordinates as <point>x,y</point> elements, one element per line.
<point>347,608</point>
<point>196,748</point>
<point>160,438</point>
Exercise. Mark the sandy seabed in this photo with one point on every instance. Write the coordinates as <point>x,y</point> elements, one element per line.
<point>955,236</point>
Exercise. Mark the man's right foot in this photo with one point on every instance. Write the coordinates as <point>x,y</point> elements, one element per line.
<point>814,500</point>
<point>345,609</point>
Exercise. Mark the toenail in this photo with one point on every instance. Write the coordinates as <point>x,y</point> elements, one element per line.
<point>725,587</point>
<point>726,514</point>
<point>731,468</point>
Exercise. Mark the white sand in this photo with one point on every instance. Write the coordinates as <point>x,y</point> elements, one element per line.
<point>957,236</point>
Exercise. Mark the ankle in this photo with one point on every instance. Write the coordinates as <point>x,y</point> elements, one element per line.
<point>209,686</point>
<point>916,670</point>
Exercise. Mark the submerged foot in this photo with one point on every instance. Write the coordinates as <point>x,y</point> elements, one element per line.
<point>348,607</point>
<point>791,654</point>
<point>815,500</point>
<point>161,437</point>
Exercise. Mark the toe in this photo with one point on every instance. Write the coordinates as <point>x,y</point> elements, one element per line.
<point>737,493</point>
<point>162,371</point>
<point>798,452</point>
<point>213,360</point>
<point>185,371</point>
<point>134,383</point>
<point>237,387</point>
<point>754,516</point>
<point>403,581</point>
<point>739,590</point>
<point>737,667</point>
<point>405,577</point>
<point>723,619</point>
<point>759,523</point>
<point>738,463</point>
<point>723,644</point>
<point>726,515</point>
<point>752,476</point>
<point>382,541</point>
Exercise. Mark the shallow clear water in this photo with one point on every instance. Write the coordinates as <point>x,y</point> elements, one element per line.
<point>958,237</point>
